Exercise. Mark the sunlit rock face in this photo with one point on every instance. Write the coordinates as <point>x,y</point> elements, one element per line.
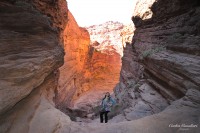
<point>101,75</point>
<point>127,34</point>
<point>102,68</point>
<point>71,77</point>
<point>92,63</point>
<point>143,9</point>
<point>101,72</point>
<point>107,34</point>
<point>161,65</point>
<point>90,69</point>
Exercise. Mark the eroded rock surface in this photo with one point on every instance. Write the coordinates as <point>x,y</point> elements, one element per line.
<point>101,75</point>
<point>89,70</point>
<point>71,76</point>
<point>104,61</point>
<point>107,34</point>
<point>30,48</point>
<point>164,56</point>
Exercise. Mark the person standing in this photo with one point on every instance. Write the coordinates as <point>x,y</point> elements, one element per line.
<point>106,104</point>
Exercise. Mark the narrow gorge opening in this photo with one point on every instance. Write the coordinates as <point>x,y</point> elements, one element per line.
<point>92,66</point>
<point>92,62</point>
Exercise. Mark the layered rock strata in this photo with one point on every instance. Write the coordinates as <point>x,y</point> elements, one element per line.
<point>103,66</point>
<point>71,78</point>
<point>104,62</point>
<point>30,47</point>
<point>30,54</point>
<point>163,57</point>
<point>89,70</point>
<point>101,74</point>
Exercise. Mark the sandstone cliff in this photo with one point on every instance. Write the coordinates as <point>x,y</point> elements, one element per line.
<point>101,71</point>
<point>30,54</point>
<point>101,74</point>
<point>30,47</point>
<point>89,70</point>
<point>113,34</point>
<point>71,77</point>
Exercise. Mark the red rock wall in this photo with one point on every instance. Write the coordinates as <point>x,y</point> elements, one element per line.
<point>101,74</point>
<point>76,45</point>
<point>85,69</point>
<point>103,69</point>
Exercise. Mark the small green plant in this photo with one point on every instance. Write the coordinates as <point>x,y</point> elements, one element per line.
<point>130,84</point>
<point>136,87</point>
<point>176,35</point>
<point>175,38</point>
<point>152,51</point>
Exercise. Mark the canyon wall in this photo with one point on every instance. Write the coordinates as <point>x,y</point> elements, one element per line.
<point>90,68</point>
<point>168,47</point>
<point>107,35</point>
<point>31,47</point>
<point>30,54</point>
<point>71,76</point>
<point>162,63</point>
<point>101,74</point>
<point>101,71</point>
<point>87,70</point>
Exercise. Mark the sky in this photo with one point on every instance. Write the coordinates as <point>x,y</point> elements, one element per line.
<point>93,12</point>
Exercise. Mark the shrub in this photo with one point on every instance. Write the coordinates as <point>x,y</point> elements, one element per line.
<point>152,51</point>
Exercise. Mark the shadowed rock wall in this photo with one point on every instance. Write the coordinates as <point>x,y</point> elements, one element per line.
<point>30,47</point>
<point>164,56</point>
